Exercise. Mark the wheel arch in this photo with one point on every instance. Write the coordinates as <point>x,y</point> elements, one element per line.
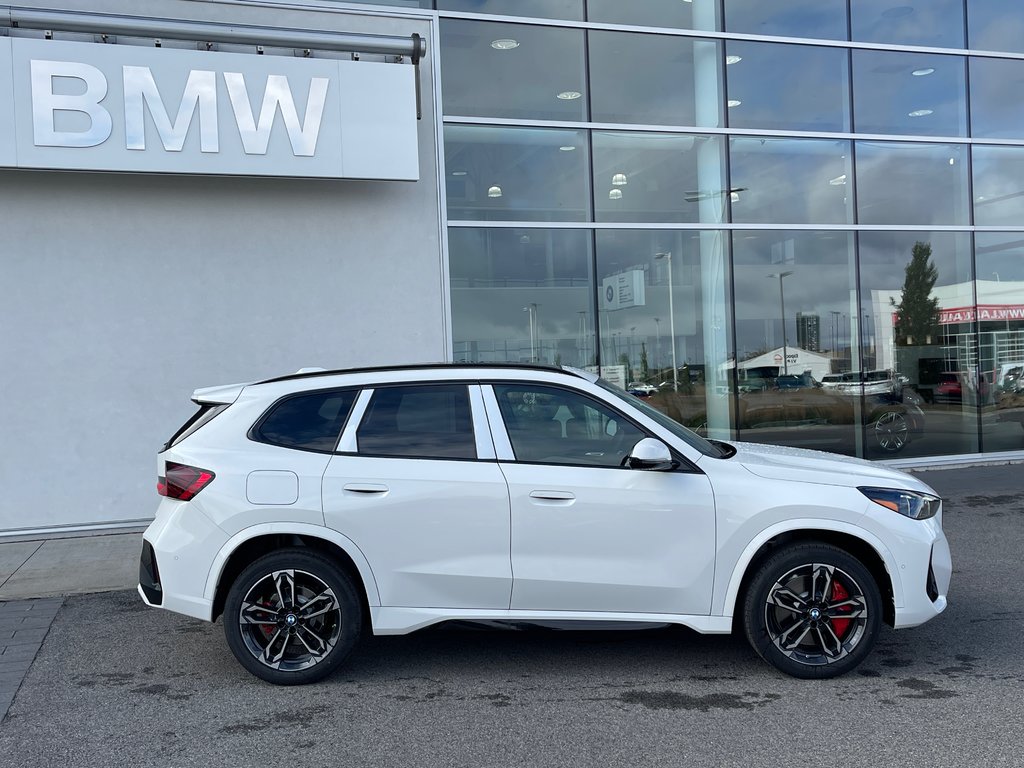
<point>860,543</point>
<point>251,543</point>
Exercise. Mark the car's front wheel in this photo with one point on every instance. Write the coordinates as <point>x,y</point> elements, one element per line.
<point>812,611</point>
<point>292,616</point>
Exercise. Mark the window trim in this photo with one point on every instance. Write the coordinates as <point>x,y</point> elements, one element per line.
<point>255,435</point>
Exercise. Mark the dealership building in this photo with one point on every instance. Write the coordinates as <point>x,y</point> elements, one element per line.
<point>678,193</point>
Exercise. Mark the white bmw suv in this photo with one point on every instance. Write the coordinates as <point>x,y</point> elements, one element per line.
<point>307,508</point>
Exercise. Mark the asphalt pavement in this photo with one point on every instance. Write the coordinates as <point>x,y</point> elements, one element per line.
<point>119,684</point>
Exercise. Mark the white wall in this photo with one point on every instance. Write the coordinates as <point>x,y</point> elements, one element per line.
<point>123,293</point>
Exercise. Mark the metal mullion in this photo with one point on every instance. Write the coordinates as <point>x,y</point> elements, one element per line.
<point>695,226</point>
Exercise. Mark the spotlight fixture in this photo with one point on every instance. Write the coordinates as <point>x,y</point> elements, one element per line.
<point>494,191</point>
<point>504,44</point>
<point>615,194</point>
<point>569,95</point>
<point>619,180</point>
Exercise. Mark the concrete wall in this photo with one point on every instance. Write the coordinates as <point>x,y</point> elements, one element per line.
<point>122,293</point>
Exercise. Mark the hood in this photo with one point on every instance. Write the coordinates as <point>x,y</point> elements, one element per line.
<point>777,462</point>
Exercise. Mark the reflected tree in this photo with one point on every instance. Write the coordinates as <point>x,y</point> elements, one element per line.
<point>917,313</point>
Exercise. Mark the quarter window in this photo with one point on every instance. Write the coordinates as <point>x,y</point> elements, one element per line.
<point>549,425</point>
<point>420,421</point>
<point>311,421</point>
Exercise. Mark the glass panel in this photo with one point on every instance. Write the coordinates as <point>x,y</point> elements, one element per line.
<point>654,79</point>
<point>791,181</point>
<point>997,111</point>
<point>911,183</point>
<point>522,295</point>
<point>996,25</point>
<point>401,3</point>
<point>787,87</point>
<point>541,9</point>
<point>664,321</point>
<point>698,14</point>
<point>654,177</point>
<point>311,421</point>
<point>917,313</point>
<point>788,18</point>
<point>938,23</point>
<point>512,70</point>
<point>523,174</point>
<point>424,421</point>
<point>913,93</point>
<point>998,186</point>
<point>550,425</point>
<point>1000,264</point>
<point>795,309</point>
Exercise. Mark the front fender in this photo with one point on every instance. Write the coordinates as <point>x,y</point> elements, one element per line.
<point>298,529</point>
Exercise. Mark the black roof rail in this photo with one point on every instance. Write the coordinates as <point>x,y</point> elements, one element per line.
<point>420,367</point>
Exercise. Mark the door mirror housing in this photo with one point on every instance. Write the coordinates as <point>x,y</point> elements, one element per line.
<point>650,454</point>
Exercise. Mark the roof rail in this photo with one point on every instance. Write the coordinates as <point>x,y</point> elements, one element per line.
<point>309,374</point>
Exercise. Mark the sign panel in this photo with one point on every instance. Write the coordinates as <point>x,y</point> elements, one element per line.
<point>89,106</point>
<point>626,289</point>
<point>8,158</point>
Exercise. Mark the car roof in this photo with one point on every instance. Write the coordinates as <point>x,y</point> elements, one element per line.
<point>472,369</point>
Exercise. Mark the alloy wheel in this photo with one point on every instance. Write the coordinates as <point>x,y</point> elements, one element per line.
<point>892,431</point>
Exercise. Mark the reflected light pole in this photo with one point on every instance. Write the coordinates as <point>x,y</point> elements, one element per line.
<point>532,309</point>
<point>671,320</point>
<point>657,343</point>
<point>782,307</point>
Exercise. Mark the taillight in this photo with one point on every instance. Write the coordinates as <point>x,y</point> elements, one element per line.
<point>182,481</point>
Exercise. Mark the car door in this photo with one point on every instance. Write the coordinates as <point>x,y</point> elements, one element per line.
<point>416,487</point>
<point>589,534</point>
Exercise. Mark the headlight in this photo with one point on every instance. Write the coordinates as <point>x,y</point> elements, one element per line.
<point>917,506</point>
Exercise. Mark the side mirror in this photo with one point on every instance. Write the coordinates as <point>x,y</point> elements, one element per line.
<point>650,454</point>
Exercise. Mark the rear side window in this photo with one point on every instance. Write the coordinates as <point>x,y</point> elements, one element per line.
<point>203,416</point>
<point>311,421</point>
<point>419,421</point>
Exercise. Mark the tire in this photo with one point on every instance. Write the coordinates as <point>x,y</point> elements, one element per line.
<point>891,431</point>
<point>292,617</point>
<point>791,629</point>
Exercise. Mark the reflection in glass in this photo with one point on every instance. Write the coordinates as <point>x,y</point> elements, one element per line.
<point>920,94</point>
<point>517,174</point>
<point>917,313</point>
<point>654,79</point>
<point>522,295</point>
<point>938,23</point>
<point>997,111</point>
<point>824,19</point>
<point>996,25</point>
<point>512,70</point>
<point>787,87</point>
<point>791,181</point>
<point>541,9</point>
<point>998,186</point>
<point>655,177</point>
<point>1000,271</point>
<point>698,14</point>
<point>903,183</point>
<point>795,338</point>
<point>664,321</point>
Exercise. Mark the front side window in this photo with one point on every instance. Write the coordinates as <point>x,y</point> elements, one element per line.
<point>431,421</point>
<point>311,421</point>
<point>549,425</point>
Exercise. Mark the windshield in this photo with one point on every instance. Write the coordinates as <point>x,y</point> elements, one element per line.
<point>689,437</point>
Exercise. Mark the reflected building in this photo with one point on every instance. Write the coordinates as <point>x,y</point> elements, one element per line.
<point>667,204</point>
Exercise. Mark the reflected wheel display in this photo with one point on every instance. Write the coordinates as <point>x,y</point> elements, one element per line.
<point>892,432</point>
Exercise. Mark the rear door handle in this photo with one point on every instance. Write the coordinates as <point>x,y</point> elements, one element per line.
<point>564,496</point>
<point>367,488</point>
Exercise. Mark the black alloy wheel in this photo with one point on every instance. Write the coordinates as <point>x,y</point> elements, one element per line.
<point>292,617</point>
<point>892,432</point>
<point>812,611</point>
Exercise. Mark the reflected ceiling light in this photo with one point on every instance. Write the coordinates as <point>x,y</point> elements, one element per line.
<point>838,181</point>
<point>569,95</point>
<point>952,161</point>
<point>524,239</point>
<point>458,173</point>
<point>494,191</point>
<point>619,180</point>
<point>567,148</point>
<point>504,44</point>
<point>734,197</point>
<point>733,59</point>
<point>923,72</point>
<point>919,113</point>
<point>733,103</point>
<point>687,1</point>
<point>615,194</point>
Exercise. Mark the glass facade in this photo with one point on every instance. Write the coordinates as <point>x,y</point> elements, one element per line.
<point>798,222</point>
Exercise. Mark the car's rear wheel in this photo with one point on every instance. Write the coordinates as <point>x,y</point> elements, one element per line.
<point>812,611</point>
<point>292,616</point>
<point>892,432</point>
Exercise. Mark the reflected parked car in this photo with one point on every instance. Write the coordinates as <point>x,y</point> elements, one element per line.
<point>949,389</point>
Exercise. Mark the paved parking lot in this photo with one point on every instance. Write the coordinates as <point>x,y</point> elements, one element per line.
<point>118,684</point>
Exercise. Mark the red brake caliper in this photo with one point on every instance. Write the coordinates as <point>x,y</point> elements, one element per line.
<point>840,625</point>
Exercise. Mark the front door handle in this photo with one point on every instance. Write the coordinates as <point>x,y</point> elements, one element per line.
<point>553,495</point>
<point>366,488</point>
